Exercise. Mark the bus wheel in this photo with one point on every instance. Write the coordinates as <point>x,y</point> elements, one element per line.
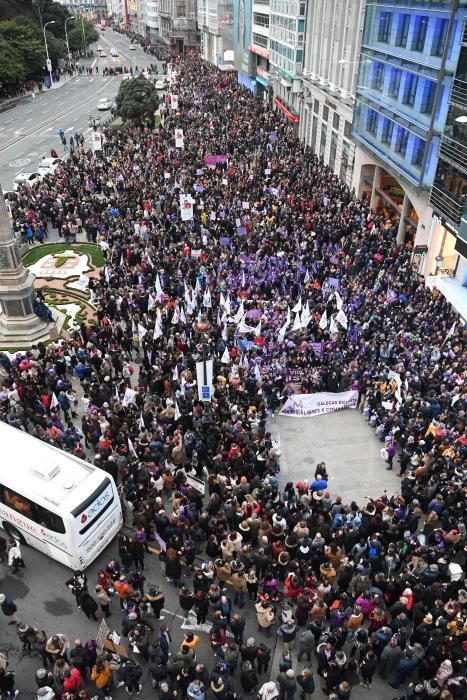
<point>12,531</point>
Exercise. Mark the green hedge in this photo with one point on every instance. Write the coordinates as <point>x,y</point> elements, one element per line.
<point>94,252</point>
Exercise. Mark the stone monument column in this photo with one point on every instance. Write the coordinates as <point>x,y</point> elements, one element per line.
<point>20,327</point>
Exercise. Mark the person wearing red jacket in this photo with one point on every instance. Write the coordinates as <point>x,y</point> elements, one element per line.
<point>72,681</point>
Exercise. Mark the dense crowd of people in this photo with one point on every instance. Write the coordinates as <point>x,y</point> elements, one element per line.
<point>280,273</point>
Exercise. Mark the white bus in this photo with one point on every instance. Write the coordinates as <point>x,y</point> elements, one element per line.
<point>55,502</point>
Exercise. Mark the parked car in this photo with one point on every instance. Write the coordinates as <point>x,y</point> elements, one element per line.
<point>113,52</point>
<point>103,54</point>
<point>28,179</point>
<point>132,47</point>
<point>47,166</point>
<point>161,84</point>
<point>104,104</point>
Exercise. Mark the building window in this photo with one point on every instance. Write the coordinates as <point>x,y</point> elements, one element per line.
<point>378,76</point>
<point>347,129</point>
<point>410,89</point>
<point>335,121</point>
<point>372,121</point>
<point>402,30</point>
<point>325,113</point>
<point>395,83</point>
<point>314,131</point>
<point>260,40</point>
<point>428,98</point>
<point>439,37</point>
<point>388,128</point>
<point>419,33</point>
<point>384,27</point>
<point>261,20</point>
<point>418,151</point>
<point>316,106</point>
<point>401,140</point>
<point>322,144</point>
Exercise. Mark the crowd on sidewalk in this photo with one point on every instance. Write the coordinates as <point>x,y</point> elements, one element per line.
<point>271,268</point>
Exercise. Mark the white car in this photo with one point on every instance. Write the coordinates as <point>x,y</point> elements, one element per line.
<point>100,48</point>
<point>114,52</point>
<point>132,47</point>
<point>161,84</point>
<point>103,54</point>
<point>104,104</point>
<point>28,179</point>
<point>47,166</point>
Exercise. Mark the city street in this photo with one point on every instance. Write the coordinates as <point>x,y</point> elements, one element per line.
<point>30,130</point>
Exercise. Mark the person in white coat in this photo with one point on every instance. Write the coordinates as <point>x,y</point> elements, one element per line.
<point>15,557</point>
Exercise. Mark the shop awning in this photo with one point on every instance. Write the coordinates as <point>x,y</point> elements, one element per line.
<point>293,118</point>
<point>454,292</point>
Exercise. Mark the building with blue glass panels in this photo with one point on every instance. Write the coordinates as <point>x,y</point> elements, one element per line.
<point>409,56</point>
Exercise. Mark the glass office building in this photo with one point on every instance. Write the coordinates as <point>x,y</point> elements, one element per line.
<point>408,74</point>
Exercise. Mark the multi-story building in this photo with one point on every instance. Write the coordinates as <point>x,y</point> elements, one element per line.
<point>177,24</point>
<point>215,22</point>
<point>330,68</point>
<point>286,53</point>
<point>447,244</point>
<point>409,55</point>
<point>259,47</point>
<point>150,12</point>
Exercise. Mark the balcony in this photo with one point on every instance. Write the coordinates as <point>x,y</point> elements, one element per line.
<point>454,152</point>
<point>459,92</point>
<point>444,204</point>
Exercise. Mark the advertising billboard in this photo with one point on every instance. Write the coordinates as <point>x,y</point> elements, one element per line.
<point>242,35</point>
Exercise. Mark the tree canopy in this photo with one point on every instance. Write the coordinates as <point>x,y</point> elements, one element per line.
<point>137,100</point>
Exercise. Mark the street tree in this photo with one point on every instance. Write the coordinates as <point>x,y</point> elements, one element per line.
<point>137,100</point>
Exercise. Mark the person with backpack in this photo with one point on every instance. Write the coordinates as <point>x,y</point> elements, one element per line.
<point>132,673</point>
<point>9,608</point>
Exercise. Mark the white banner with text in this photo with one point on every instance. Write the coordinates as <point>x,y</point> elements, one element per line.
<point>307,405</point>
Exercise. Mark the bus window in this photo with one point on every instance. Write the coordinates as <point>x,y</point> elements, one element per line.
<point>33,511</point>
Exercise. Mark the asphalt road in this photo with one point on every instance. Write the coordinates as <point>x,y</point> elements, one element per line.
<point>30,130</point>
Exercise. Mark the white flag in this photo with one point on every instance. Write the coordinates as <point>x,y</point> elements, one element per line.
<point>257,373</point>
<point>333,328</point>
<point>341,318</point>
<point>225,335</point>
<point>141,422</point>
<point>159,290</point>
<point>225,359</point>
<point>141,332</point>
<point>131,447</point>
<point>175,373</point>
<point>239,315</point>
<point>182,315</point>
<point>452,330</point>
<point>245,364</point>
<point>177,414</point>
<point>298,306</point>
<point>243,279</point>
<point>306,279</point>
<point>323,321</point>
<point>244,327</point>
<point>157,330</point>
<point>281,334</point>
<point>339,302</point>
<point>221,300</point>
<point>54,402</point>
<point>207,298</point>
<point>258,330</point>
<point>296,324</point>
<point>288,316</point>
<point>151,302</point>
<point>176,316</point>
<point>305,317</point>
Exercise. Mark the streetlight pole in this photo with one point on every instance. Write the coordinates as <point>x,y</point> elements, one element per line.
<point>49,62</point>
<point>66,36</point>
<point>84,35</point>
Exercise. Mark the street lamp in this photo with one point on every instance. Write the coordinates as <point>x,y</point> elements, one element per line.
<point>48,61</point>
<point>66,36</point>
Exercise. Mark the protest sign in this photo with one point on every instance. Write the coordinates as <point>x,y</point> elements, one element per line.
<point>307,405</point>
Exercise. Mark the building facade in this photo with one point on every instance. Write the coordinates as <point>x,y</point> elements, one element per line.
<point>151,19</point>
<point>178,24</point>
<point>286,54</point>
<point>251,46</point>
<point>332,48</point>
<point>447,245</point>
<point>408,59</point>
<point>215,23</point>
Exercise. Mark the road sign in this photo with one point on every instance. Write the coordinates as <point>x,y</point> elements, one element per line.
<point>206,393</point>
<point>48,63</point>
